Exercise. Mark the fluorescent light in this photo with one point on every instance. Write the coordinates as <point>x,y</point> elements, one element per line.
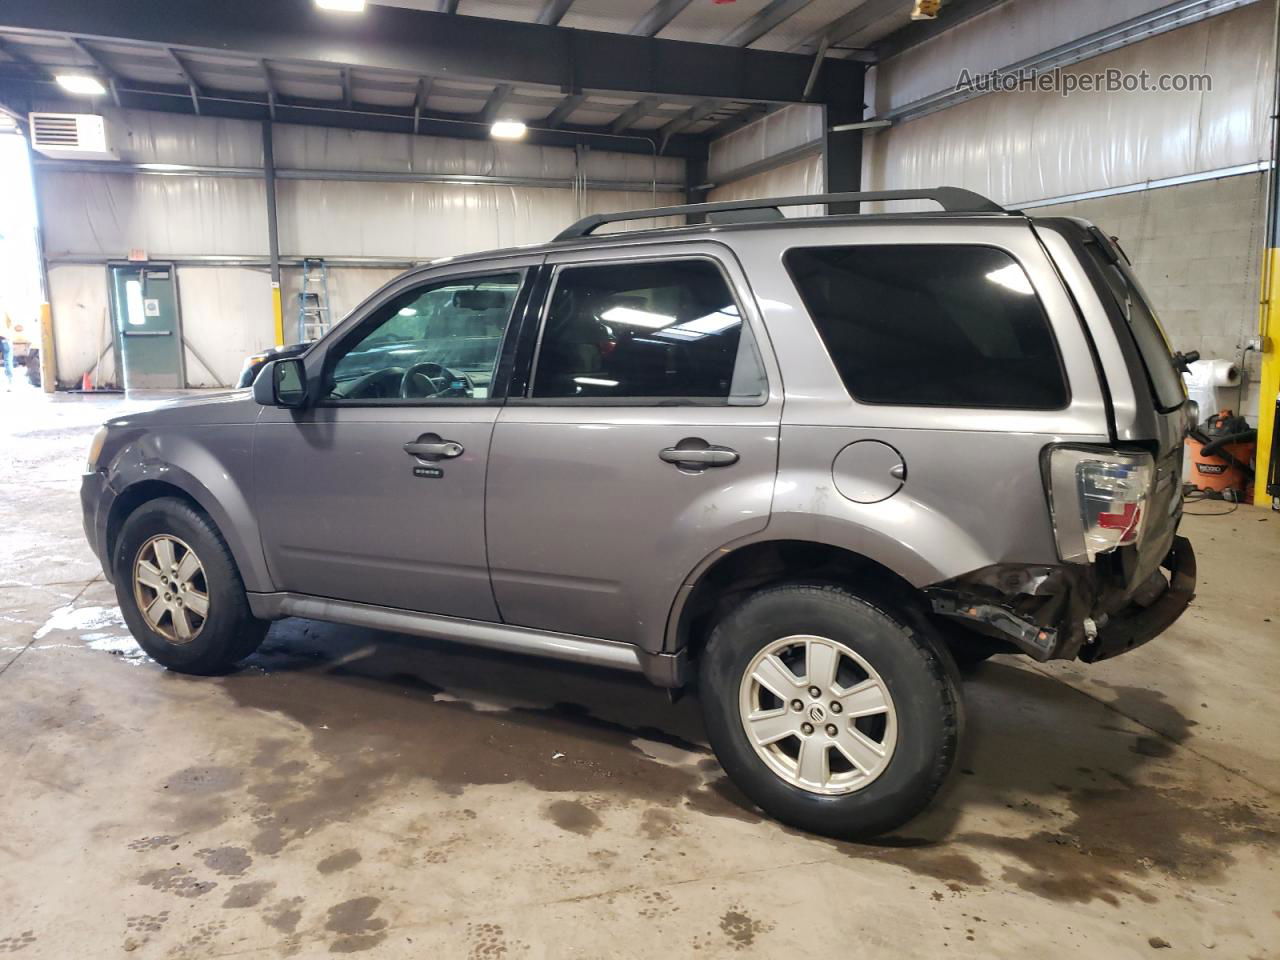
<point>342,6</point>
<point>80,83</point>
<point>630,317</point>
<point>508,130</point>
<point>1012,278</point>
<point>595,382</point>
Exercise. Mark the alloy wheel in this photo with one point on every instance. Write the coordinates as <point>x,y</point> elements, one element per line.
<point>818,714</point>
<point>170,588</point>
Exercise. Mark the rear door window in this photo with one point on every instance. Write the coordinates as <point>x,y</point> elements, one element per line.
<point>932,325</point>
<point>647,332</point>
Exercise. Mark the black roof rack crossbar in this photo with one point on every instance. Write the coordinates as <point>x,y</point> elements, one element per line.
<point>951,199</point>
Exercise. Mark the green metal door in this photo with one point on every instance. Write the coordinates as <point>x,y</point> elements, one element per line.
<point>146,313</point>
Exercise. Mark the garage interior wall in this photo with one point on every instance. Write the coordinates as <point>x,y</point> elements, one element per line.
<point>90,217</point>
<point>778,134</point>
<point>1196,245</point>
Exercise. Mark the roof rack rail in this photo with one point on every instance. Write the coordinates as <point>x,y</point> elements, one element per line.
<point>951,199</point>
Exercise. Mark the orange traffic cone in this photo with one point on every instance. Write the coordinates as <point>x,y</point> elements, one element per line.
<point>86,382</point>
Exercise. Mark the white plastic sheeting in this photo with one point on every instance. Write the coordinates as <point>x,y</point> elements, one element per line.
<point>109,214</point>
<point>427,220</point>
<point>776,133</point>
<point>1007,34</point>
<point>791,179</point>
<point>328,148</point>
<point>141,136</point>
<point>226,316</point>
<point>82,323</point>
<point>1027,146</point>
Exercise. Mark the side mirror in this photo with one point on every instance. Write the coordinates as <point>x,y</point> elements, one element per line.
<point>282,383</point>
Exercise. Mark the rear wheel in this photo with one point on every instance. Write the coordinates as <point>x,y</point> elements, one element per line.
<point>180,592</point>
<point>831,714</point>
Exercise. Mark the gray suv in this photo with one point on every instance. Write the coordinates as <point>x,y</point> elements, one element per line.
<point>805,463</point>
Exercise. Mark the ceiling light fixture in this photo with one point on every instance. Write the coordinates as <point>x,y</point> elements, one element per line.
<point>342,6</point>
<point>81,83</point>
<point>508,130</point>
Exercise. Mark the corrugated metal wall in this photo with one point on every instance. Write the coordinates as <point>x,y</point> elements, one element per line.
<point>89,218</point>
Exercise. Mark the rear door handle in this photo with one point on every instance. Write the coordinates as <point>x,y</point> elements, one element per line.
<point>427,449</point>
<point>698,459</point>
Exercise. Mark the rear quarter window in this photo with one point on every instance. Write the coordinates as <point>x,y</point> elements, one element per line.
<point>931,325</point>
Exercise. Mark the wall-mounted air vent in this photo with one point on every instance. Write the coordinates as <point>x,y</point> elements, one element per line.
<point>71,136</point>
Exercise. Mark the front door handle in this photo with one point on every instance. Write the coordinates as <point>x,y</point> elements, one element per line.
<point>434,449</point>
<point>700,457</point>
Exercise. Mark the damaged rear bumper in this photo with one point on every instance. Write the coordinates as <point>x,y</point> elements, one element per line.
<point>1135,625</point>
<point>1062,613</point>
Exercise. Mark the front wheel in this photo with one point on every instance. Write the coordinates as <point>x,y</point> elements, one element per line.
<point>829,713</point>
<point>180,591</point>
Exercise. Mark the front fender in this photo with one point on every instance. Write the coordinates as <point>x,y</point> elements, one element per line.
<point>212,465</point>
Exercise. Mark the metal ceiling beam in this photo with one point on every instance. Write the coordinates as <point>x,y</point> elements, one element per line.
<point>420,100</point>
<point>495,101</point>
<point>345,76</point>
<point>242,106</point>
<point>422,43</point>
<point>186,75</point>
<point>21,59</point>
<point>755,27</point>
<point>628,117</point>
<point>699,111</point>
<point>98,62</point>
<point>563,109</point>
<point>853,22</point>
<point>658,16</point>
<point>952,14</point>
<point>553,12</point>
<point>271,88</point>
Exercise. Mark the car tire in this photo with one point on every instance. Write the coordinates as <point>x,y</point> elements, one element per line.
<point>173,631</point>
<point>880,658</point>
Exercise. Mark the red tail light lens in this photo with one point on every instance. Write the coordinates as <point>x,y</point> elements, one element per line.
<point>1098,497</point>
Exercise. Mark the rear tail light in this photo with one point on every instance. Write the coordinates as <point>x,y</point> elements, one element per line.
<point>1099,499</point>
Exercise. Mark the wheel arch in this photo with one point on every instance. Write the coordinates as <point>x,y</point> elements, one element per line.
<point>719,581</point>
<point>146,486</point>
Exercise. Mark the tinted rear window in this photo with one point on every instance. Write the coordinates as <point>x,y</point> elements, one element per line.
<point>929,324</point>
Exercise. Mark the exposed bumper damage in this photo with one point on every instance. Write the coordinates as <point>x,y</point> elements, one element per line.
<point>1068,612</point>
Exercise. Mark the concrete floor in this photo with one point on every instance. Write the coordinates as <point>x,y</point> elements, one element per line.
<point>357,792</point>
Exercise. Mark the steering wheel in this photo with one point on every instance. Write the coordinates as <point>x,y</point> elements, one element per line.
<point>436,379</point>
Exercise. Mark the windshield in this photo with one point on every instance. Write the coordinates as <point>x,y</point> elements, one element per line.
<point>1153,346</point>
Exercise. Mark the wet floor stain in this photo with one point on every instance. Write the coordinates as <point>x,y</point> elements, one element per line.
<point>1096,831</point>
<point>740,929</point>
<point>245,895</point>
<point>284,915</point>
<point>18,941</point>
<point>226,861</point>
<point>355,924</point>
<point>488,941</point>
<point>574,816</point>
<point>366,734</point>
<point>177,880</point>
<point>658,824</point>
<point>140,928</point>
<point>342,860</point>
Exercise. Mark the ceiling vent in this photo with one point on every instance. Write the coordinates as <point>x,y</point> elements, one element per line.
<point>71,136</point>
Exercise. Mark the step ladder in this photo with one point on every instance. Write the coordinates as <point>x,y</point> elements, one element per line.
<point>313,300</point>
